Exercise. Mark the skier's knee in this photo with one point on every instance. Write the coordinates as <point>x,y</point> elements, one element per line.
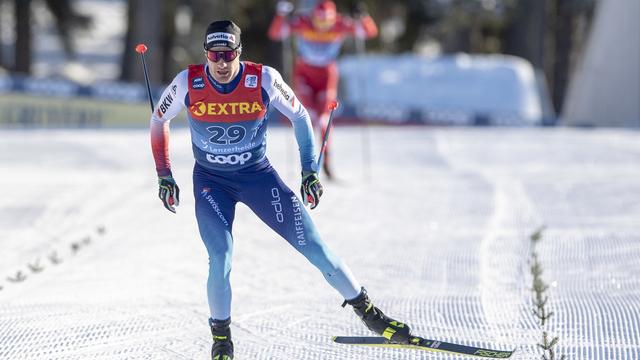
<point>219,265</point>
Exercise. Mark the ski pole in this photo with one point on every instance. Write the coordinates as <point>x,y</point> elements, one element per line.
<point>332,106</point>
<point>287,75</point>
<point>286,71</point>
<point>365,129</point>
<point>141,49</point>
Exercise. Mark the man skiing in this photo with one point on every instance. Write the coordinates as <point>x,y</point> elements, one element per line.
<point>319,37</point>
<point>227,101</point>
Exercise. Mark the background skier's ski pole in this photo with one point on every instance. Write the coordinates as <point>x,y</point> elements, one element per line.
<point>286,8</point>
<point>361,50</point>
<point>141,49</point>
<point>332,106</point>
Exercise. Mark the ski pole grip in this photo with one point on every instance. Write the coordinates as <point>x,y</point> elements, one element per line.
<point>141,48</point>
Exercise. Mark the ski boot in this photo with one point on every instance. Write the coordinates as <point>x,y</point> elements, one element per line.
<point>394,331</point>
<point>222,348</point>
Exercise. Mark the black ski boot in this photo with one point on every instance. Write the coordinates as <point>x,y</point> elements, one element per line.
<point>222,348</point>
<point>377,321</point>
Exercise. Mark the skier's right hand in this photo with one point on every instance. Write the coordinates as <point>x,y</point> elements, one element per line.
<point>284,8</point>
<point>360,10</point>
<point>169,192</point>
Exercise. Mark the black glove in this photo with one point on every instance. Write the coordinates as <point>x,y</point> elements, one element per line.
<point>311,189</point>
<point>359,10</point>
<point>169,192</point>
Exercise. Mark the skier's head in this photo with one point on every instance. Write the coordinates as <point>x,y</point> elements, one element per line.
<point>324,14</point>
<point>222,46</point>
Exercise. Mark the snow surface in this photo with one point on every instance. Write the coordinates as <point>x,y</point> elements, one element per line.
<point>438,235</point>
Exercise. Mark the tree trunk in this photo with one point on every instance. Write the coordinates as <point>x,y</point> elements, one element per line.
<point>526,34</point>
<point>167,40</point>
<point>144,25</point>
<point>563,31</point>
<point>22,62</point>
<point>2,62</point>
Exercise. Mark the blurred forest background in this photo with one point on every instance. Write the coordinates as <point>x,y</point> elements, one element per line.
<point>548,33</point>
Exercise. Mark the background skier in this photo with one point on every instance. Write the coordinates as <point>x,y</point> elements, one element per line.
<point>319,37</point>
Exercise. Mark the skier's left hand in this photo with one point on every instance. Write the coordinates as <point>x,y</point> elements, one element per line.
<point>311,188</point>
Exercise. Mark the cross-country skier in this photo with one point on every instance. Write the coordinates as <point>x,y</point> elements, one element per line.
<point>227,100</point>
<point>319,37</point>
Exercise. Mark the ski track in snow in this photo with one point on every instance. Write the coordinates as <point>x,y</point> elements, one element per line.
<point>439,236</point>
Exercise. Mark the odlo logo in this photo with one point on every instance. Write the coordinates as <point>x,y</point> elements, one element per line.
<point>232,159</point>
<point>277,205</point>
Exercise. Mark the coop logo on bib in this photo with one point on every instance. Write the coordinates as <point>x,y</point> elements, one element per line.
<point>233,159</point>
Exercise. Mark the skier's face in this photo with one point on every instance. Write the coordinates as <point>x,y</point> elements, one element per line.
<point>323,22</point>
<point>323,16</point>
<point>224,63</point>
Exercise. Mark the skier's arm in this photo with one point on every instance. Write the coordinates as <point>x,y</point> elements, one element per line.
<point>362,26</point>
<point>282,97</point>
<point>368,26</point>
<point>280,27</point>
<point>170,104</point>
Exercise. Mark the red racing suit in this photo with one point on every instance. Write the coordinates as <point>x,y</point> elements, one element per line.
<point>315,71</point>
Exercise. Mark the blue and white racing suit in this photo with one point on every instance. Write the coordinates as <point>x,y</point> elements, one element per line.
<point>228,134</point>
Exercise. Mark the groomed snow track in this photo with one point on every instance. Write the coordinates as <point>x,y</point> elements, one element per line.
<point>93,267</point>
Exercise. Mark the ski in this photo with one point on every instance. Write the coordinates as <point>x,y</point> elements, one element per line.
<point>424,344</point>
